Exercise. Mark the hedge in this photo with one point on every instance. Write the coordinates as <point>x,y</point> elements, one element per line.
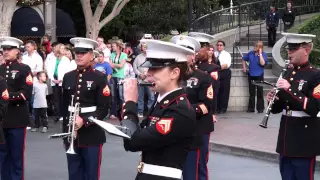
<point>311,26</point>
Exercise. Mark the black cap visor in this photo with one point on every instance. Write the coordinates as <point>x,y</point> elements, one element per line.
<point>189,47</point>
<point>203,44</point>
<point>82,50</point>
<point>157,63</point>
<point>293,46</point>
<point>8,47</point>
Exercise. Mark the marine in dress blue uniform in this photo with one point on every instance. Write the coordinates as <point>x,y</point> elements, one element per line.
<point>89,88</point>
<point>167,133</point>
<point>213,71</point>
<point>204,39</point>
<point>299,102</point>
<point>4,101</point>
<point>19,79</point>
<point>201,95</point>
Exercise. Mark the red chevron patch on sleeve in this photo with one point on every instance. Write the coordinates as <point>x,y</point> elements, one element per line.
<point>316,92</point>
<point>5,94</point>
<point>164,125</point>
<point>29,80</point>
<point>106,91</point>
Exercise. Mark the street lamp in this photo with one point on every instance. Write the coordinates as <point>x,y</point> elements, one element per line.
<point>231,5</point>
<point>190,9</point>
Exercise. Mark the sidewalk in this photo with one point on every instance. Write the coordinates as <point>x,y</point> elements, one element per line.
<point>239,133</point>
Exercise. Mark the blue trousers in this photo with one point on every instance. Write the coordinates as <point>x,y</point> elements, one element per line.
<point>191,166</point>
<point>204,157</point>
<point>12,154</point>
<point>295,168</point>
<point>117,95</point>
<point>195,167</point>
<point>85,164</point>
<point>142,90</point>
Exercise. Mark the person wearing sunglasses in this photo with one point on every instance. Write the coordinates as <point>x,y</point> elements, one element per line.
<point>298,99</point>
<point>224,61</point>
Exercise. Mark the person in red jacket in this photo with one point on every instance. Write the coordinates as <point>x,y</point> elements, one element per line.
<point>46,42</point>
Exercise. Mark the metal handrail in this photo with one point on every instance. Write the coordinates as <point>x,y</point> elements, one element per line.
<point>223,19</point>
<point>299,13</point>
<point>226,9</point>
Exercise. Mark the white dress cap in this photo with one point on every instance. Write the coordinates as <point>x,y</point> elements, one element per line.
<point>10,42</point>
<point>95,53</point>
<point>186,41</point>
<point>201,37</point>
<point>160,53</point>
<point>84,43</point>
<point>147,36</point>
<point>298,38</point>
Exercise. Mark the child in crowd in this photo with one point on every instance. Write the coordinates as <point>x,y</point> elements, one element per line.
<point>103,66</point>
<point>40,91</point>
<point>46,42</point>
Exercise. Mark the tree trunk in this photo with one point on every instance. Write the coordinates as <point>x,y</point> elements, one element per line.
<point>93,30</point>
<point>7,8</point>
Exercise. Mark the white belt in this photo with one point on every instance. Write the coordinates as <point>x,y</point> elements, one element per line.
<point>84,109</point>
<point>296,113</point>
<point>160,171</point>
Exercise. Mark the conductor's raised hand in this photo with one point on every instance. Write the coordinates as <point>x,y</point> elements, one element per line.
<point>130,90</point>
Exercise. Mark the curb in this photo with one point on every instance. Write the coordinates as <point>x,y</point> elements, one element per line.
<point>246,152</point>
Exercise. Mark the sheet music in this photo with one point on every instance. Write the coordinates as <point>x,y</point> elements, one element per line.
<point>110,128</point>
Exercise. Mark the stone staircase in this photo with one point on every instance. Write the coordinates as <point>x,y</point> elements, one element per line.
<point>239,93</point>
<point>252,39</point>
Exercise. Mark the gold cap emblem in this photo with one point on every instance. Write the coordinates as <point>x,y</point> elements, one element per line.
<point>166,102</point>
<point>181,38</point>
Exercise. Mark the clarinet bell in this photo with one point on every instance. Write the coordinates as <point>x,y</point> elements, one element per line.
<point>264,122</point>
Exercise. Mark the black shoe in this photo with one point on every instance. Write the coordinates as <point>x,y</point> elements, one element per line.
<point>218,111</point>
<point>250,111</point>
<point>260,111</point>
<point>223,111</point>
<point>56,120</point>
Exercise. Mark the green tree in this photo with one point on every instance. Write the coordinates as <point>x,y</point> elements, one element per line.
<point>148,16</point>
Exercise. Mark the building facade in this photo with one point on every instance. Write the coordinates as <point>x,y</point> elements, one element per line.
<point>32,22</point>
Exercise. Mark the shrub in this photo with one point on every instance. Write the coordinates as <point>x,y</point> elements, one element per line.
<point>310,26</point>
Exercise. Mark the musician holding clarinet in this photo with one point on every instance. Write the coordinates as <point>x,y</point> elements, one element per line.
<point>298,99</point>
<point>85,93</point>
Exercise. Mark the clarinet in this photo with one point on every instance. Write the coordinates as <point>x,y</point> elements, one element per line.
<point>139,83</point>
<point>264,122</point>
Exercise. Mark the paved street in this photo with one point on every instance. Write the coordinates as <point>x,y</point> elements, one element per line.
<point>45,159</point>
